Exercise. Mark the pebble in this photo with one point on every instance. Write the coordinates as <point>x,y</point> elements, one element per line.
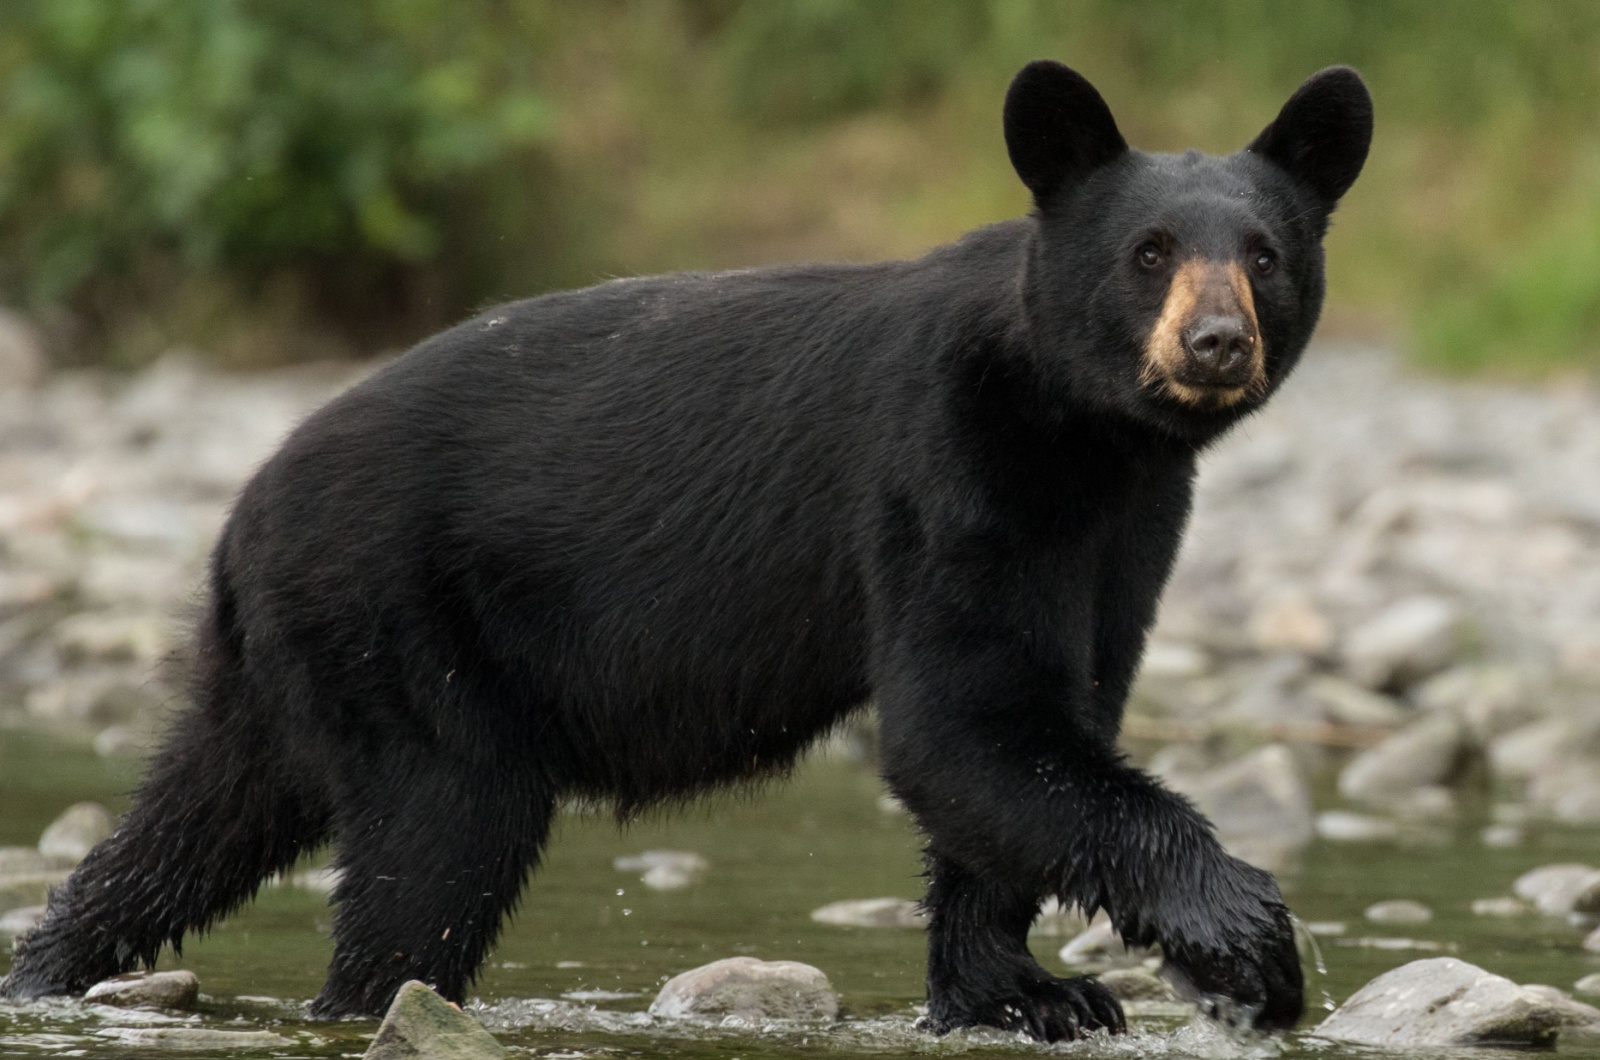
<point>76,831</point>
<point>1443,1001</point>
<point>1399,911</point>
<point>1424,754</point>
<point>1488,700</point>
<point>199,1039</point>
<point>1557,890</point>
<point>750,989</point>
<point>663,870</point>
<point>1504,905</point>
<point>1501,835</point>
<point>872,913</point>
<point>1589,985</point>
<point>1344,826</point>
<point>421,1025</point>
<point>1347,703</point>
<point>173,990</point>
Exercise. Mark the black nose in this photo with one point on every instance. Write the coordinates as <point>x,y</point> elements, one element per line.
<point>1219,349</point>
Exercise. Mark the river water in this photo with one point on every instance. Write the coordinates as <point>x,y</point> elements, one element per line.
<point>577,968</point>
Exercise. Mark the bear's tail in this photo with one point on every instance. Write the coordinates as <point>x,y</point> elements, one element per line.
<point>216,815</point>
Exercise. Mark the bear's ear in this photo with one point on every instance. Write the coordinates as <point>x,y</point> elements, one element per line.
<point>1321,135</point>
<point>1058,129</point>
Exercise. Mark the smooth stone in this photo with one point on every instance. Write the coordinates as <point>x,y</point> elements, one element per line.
<point>1173,661</point>
<point>1589,984</point>
<point>1411,639</point>
<point>1260,805</point>
<point>1555,889</point>
<point>1501,836</point>
<point>1422,754</point>
<point>1347,703</point>
<point>663,870</point>
<point>1344,826</point>
<point>1525,751</point>
<point>1442,1001</point>
<point>421,1024</point>
<point>16,922</point>
<point>750,989</point>
<point>1326,928</point>
<point>1504,905</point>
<point>872,913</point>
<point>1573,1013</point>
<point>194,1039</point>
<point>76,831</point>
<point>1591,942</point>
<point>1489,700</point>
<point>1568,792</point>
<point>1099,945</point>
<point>1137,984</point>
<point>176,989</point>
<point>1399,911</point>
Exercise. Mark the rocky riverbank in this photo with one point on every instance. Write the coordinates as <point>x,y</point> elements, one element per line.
<point>1380,562</point>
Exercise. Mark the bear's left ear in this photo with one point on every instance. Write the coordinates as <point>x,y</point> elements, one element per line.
<point>1058,129</point>
<point>1321,135</point>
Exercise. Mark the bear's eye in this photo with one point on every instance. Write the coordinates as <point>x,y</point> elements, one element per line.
<point>1149,255</point>
<point>1265,262</point>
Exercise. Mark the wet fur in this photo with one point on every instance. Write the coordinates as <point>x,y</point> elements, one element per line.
<point>638,541</point>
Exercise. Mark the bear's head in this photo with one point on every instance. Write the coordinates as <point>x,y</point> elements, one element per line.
<point>1178,290</point>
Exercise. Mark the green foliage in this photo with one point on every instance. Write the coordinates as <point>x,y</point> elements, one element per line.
<point>246,136</point>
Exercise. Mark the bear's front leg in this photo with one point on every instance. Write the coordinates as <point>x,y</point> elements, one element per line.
<point>981,974</point>
<point>1023,790</point>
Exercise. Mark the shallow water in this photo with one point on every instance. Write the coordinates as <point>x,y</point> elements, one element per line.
<point>607,942</point>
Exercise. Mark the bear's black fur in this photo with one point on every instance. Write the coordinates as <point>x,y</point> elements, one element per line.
<point>637,541</point>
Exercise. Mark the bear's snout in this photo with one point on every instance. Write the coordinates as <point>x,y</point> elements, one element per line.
<point>1205,348</point>
<point>1221,350</point>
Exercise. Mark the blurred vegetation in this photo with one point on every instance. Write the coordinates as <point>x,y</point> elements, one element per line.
<point>271,179</point>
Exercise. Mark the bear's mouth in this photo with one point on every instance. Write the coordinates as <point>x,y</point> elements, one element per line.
<point>1205,348</point>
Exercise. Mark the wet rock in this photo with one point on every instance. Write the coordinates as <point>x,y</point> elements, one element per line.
<point>421,1024</point>
<point>1347,703</point>
<point>872,913</point>
<point>76,831</point>
<point>664,870</point>
<point>1326,928</point>
<point>1442,1001</point>
<point>1399,911</point>
<point>1137,984</point>
<point>1410,640</point>
<point>1557,890</point>
<point>1343,826</point>
<point>1488,700</point>
<point>197,1039</point>
<point>1425,753</point>
<point>750,989</point>
<point>1588,985</point>
<point>1099,945</point>
<point>1574,1014</point>
<point>1259,804</point>
<point>16,922</point>
<point>1504,905</point>
<point>176,990</point>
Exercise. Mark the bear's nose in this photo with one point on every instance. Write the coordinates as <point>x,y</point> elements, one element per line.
<point>1219,348</point>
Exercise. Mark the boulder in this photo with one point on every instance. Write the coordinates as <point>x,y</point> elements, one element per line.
<point>749,989</point>
<point>176,990</point>
<point>872,913</point>
<point>421,1025</point>
<point>1443,1001</point>
<point>76,831</point>
<point>1408,641</point>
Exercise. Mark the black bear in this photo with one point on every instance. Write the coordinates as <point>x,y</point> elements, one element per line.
<point>637,541</point>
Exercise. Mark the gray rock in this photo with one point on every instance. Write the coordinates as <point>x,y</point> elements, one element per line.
<point>16,922</point>
<point>1528,750</point>
<point>1425,753</point>
<point>29,888</point>
<point>1260,805</point>
<point>421,1025</point>
<point>1442,1001</point>
<point>196,1039</point>
<point>1290,623</point>
<point>1555,890</point>
<point>120,741</point>
<point>1488,700</point>
<point>23,861</point>
<point>1399,911</point>
<point>22,359</point>
<point>1098,946</point>
<point>664,870</point>
<point>176,990</point>
<point>112,637</point>
<point>872,913</point>
<point>1501,835</point>
<point>1410,640</point>
<point>1170,660</point>
<point>1058,921</point>
<point>76,831</point>
<point>1573,1013</point>
<point>749,989</point>
<point>1568,792</point>
<point>1347,703</point>
<point>1591,942</point>
<point>1588,985</point>
<point>1343,826</point>
<point>1503,905</point>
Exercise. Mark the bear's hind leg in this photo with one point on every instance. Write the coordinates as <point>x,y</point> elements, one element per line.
<point>980,972</point>
<point>213,818</point>
<point>434,853</point>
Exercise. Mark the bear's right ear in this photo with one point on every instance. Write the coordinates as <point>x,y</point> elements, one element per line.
<point>1321,136</point>
<point>1058,129</point>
